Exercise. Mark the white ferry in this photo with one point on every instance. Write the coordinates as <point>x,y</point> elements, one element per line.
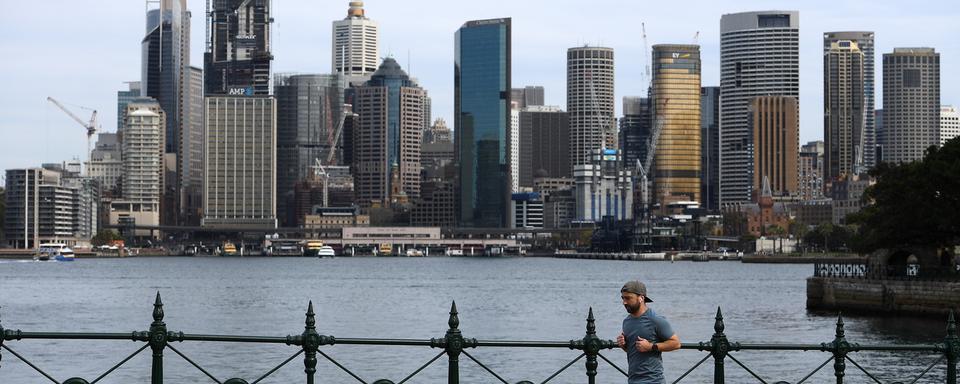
<point>56,251</point>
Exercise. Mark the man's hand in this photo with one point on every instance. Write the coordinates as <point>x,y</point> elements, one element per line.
<point>643,345</point>
<point>621,342</point>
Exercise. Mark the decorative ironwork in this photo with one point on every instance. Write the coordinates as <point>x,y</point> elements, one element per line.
<point>312,344</point>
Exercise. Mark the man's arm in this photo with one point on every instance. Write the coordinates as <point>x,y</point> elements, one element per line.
<point>671,344</point>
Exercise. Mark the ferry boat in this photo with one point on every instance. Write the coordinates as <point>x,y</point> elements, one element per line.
<point>229,249</point>
<point>313,248</point>
<point>56,251</point>
<point>326,251</point>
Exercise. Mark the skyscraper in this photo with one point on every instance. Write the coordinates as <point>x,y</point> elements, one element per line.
<point>635,129</point>
<point>388,136</point>
<point>309,108</point>
<point>544,144</point>
<point>949,123</point>
<point>911,103</point>
<point>759,56</point>
<point>238,55</point>
<point>482,61</point>
<point>514,147</point>
<point>241,141</point>
<point>190,161</point>
<point>166,78</point>
<point>844,117</point>
<point>356,45</point>
<point>710,147</point>
<point>590,102</point>
<point>676,101</point>
<point>143,143</point>
<point>865,42</point>
<point>776,136</point>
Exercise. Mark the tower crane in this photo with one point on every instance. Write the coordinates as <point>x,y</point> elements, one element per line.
<point>91,125</point>
<point>318,169</point>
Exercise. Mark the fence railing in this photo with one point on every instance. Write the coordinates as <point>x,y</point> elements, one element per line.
<point>454,345</point>
<point>864,270</point>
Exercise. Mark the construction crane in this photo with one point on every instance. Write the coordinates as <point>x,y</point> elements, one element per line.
<point>91,125</point>
<point>696,38</point>
<point>318,169</point>
<point>645,77</point>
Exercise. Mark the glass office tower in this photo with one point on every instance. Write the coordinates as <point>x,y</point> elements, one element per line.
<point>482,122</point>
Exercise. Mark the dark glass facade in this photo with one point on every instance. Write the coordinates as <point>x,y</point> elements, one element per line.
<point>237,60</point>
<point>710,148</point>
<point>635,130</point>
<point>482,122</point>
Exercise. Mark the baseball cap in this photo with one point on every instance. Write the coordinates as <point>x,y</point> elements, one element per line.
<point>636,287</point>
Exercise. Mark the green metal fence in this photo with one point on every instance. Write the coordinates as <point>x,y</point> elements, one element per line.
<point>311,345</point>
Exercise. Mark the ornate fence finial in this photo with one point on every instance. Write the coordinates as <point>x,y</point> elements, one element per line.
<point>952,349</point>
<point>591,323</point>
<point>311,320</point>
<point>158,309</point>
<point>840,332</point>
<point>718,324</point>
<point>454,321</point>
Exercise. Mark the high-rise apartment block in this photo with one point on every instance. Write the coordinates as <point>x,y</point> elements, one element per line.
<point>482,122</point>
<point>676,102</point>
<point>759,56</point>
<point>49,204</point>
<point>387,136</point>
<point>309,108</point>
<point>238,55</point>
<point>604,188</point>
<point>911,103</point>
<point>776,136</point>
<point>710,148</point>
<point>355,44</point>
<point>544,143</point>
<point>844,116</point>
<point>106,165</point>
<point>949,123</point>
<point>240,183</point>
<point>143,167</point>
<point>864,41</point>
<point>528,96</point>
<point>590,102</point>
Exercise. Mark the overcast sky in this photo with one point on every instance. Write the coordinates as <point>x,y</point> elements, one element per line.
<point>83,52</point>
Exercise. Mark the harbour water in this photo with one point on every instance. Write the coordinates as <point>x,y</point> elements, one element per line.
<point>498,299</point>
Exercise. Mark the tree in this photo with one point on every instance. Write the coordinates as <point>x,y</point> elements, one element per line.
<point>104,237</point>
<point>914,204</point>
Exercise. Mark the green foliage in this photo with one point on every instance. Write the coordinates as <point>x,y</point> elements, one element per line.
<point>104,237</point>
<point>914,204</point>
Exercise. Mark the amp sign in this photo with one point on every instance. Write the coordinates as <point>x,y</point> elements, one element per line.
<point>241,91</point>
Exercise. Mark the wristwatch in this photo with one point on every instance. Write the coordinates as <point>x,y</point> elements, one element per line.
<point>654,348</point>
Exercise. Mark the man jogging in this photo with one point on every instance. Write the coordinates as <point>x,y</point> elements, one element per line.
<point>644,337</point>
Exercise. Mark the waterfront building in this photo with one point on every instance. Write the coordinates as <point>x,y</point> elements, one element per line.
<point>544,143</point>
<point>143,167</point>
<point>865,43</point>
<point>949,123</point>
<point>482,122</point>
<point>635,126</point>
<point>604,188</point>
<point>844,116</point>
<point>765,213</point>
<point>759,56</point>
<point>334,217</point>
<point>124,97</point>
<point>811,171</point>
<point>709,148</point>
<point>531,95</point>
<point>775,139</point>
<point>675,100</point>
<point>238,55</point>
<point>387,136</point>
<point>355,45</point>
<point>590,102</point>
<point>911,103</point>
<point>240,181</point>
<point>309,107</point>
<point>166,78</point>
<point>527,210</point>
<point>42,207</point>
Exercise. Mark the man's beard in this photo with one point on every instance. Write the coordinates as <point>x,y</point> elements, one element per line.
<point>632,308</point>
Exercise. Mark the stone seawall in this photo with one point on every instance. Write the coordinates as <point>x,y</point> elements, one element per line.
<point>908,297</point>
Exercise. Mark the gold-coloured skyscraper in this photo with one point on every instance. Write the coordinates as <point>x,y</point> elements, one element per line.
<point>676,110</point>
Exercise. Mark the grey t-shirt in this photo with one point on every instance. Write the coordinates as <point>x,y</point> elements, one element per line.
<point>647,367</point>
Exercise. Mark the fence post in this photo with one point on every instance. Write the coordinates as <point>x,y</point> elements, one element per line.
<point>454,343</point>
<point>158,341</point>
<point>952,349</point>
<point>839,347</point>
<point>3,336</point>
<point>310,343</point>
<point>591,346</point>
<point>719,347</point>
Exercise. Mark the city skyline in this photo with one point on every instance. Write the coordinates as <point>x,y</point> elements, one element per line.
<point>103,51</point>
